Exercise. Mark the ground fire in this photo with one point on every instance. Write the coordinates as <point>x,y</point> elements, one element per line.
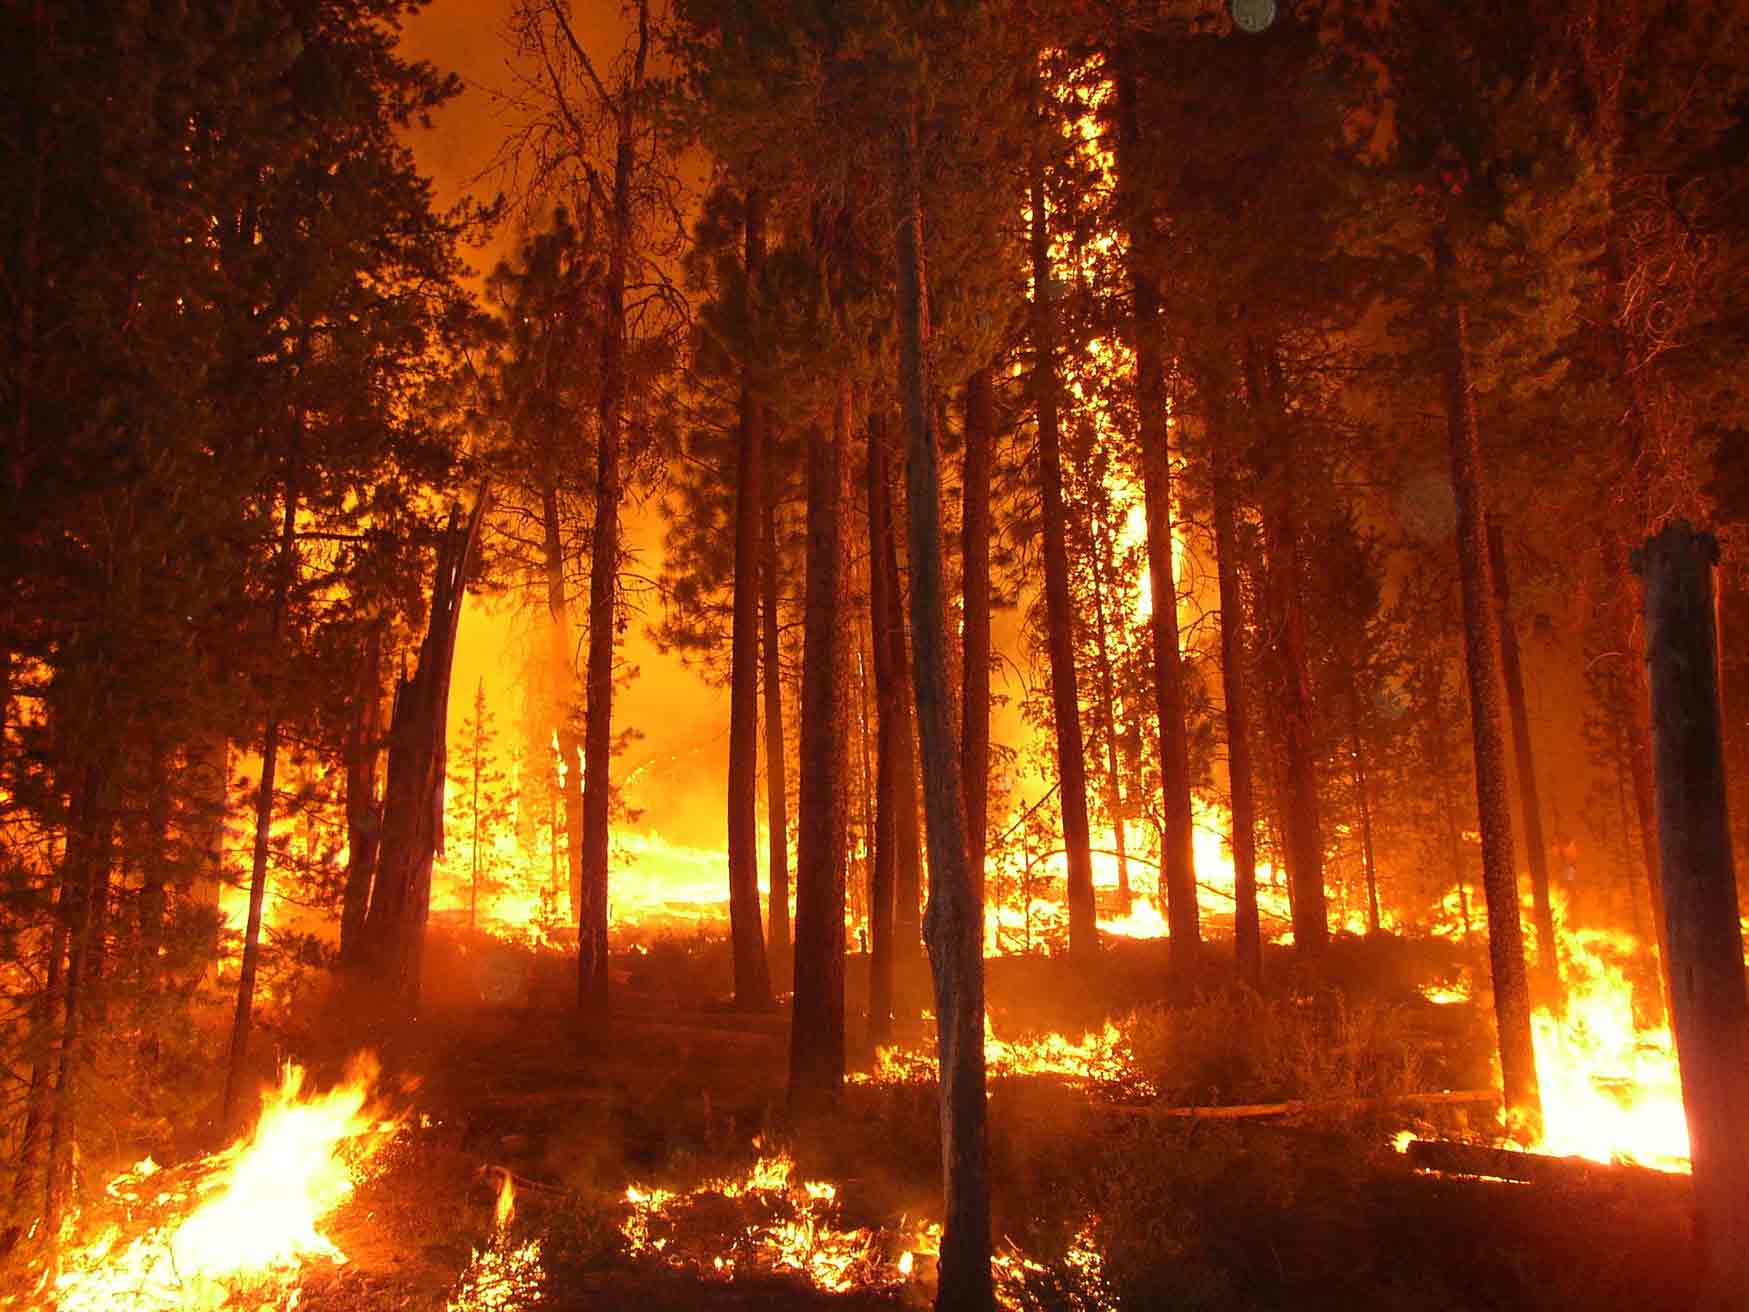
<point>1055,657</point>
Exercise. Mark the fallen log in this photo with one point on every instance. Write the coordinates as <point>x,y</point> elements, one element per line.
<point>1477,1161</point>
<point>1311,1107</point>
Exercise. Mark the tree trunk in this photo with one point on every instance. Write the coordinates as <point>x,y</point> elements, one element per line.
<point>592,994</point>
<point>955,929</point>
<point>1481,645</point>
<point>364,814</point>
<point>1302,831</point>
<point>285,576</point>
<point>816,1069</point>
<point>907,830</point>
<point>883,618</point>
<point>1104,569</point>
<point>1548,946</point>
<point>392,940</point>
<point>563,683</point>
<point>1236,704</point>
<point>778,945</point>
<point>1363,797</point>
<point>89,851</point>
<point>975,570</point>
<point>1705,965</point>
<point>1059,608</point>
<point>746,933</point>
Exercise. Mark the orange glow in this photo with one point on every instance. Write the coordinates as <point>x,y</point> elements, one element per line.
<point>239,1224</point>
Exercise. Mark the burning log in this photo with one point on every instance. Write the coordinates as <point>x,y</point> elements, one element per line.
<point>1503,1164</point>
<point>1313,1107</point>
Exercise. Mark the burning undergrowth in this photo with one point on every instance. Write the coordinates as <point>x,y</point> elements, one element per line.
<point>767,1220</point>
<point>234,1227</point>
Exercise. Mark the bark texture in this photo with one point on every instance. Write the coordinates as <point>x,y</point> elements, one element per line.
<point>1481,645</point>
<point>1707,1001</point>
<point>816,1066</point>
<point>955,923</point>
<point>1529,802</point>
<point>746,932</point>
<point>778,946</point>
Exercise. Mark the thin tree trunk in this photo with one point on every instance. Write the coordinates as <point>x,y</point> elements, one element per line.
<point>889,710</point>
<point>364,816</point>
<point>975,580</point>
<point>285,576</point>
<point>862,889</point>
<point>955,928</point>
<point>1535,848</point>
<point>778,946</point>
<point>1363,796</point>
<point>1059,607</point>
<point>816,1069</point>
<point>1302,829</point>
<point>563,681</point>
<point>88,854</point>
<point>1236,705</point>
<point>1481,646</point>
<point>1178,859</point>
<point>907,830</point>
<point>592,991</point>
<point>1103,571</point>
<point>746,933</point>
<point>1705,965</point>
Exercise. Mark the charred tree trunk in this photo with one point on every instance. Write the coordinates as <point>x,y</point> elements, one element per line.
<point>975,570</point>
<point>883,619</point>
<point>1235,697</point>
<point>907,825</point>
<point>1705,968</point>
<point>392,941</point>
<point>746,933</point>
<point>778,945</point>
<point>955,928</point>
<point>816,1067</point>
<point>1059,608</point>
<point>285,576</point>
<point>1481,645</point>
<point>1512,668</point>
<point>364,814</point>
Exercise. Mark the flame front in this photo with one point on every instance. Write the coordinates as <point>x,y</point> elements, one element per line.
<point>256,1227</point>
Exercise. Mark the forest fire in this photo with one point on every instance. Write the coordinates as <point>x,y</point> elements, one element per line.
<point>1099,1057</point>
<point>1199,536</point>
<point>242,1223</point>
<point>778,1224</point>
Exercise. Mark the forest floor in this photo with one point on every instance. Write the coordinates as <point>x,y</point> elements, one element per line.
<point>1099,1201</point>
<point>1191,1214</point>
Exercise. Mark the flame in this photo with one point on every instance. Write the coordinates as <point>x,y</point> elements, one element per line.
<point>1611,1090</point>
<point>1101,1057</point>
<point>789,1226</point>
<point>243,1219</point>
<point>503,1276</point>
